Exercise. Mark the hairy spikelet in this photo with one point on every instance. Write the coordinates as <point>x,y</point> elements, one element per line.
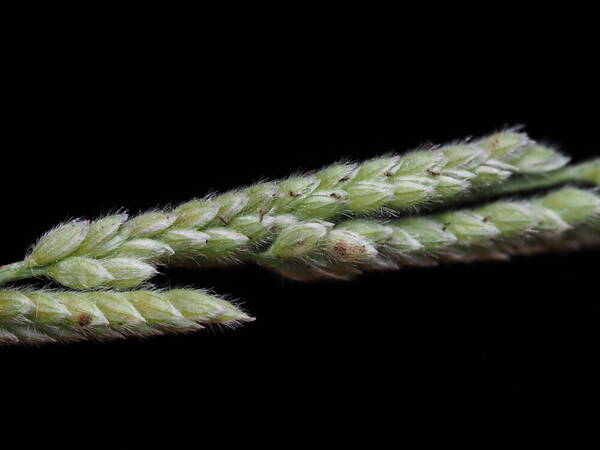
<point>121,252</point>
<point>42,316</point>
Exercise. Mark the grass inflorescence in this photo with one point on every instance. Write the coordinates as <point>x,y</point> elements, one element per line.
<point>334,223</point>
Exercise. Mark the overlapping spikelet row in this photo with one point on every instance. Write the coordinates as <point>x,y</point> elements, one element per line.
<point>41,316</point>
<point>494,231</point>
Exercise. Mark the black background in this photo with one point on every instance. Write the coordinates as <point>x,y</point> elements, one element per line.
<point>85,136</point>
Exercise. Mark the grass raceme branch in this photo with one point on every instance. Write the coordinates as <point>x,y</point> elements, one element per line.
<point>42,316</point>
<point>495,231</point>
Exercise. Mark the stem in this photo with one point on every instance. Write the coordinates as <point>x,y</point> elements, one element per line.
<point>19,271</point>
<point>575,174</point>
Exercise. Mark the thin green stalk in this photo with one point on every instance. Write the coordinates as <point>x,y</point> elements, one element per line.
<point>19,271</point>
<point>586,173</point>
